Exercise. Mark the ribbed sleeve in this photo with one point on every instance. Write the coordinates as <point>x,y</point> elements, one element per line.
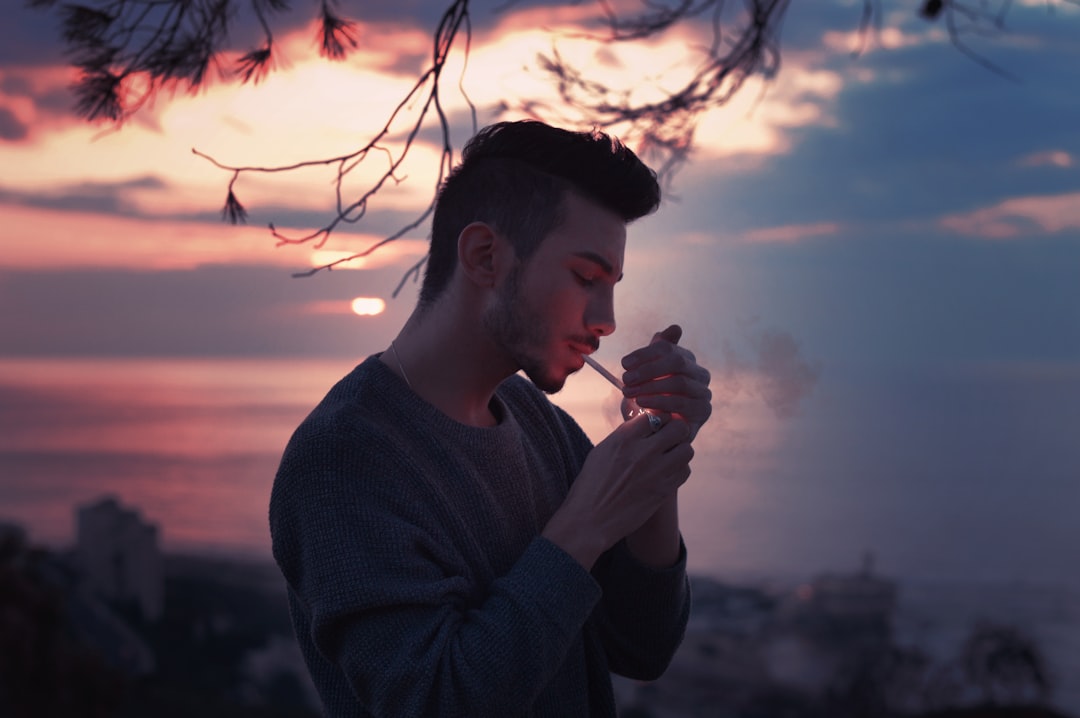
<point>644,612</point>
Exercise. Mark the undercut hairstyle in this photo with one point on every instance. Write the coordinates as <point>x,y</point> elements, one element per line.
<point>514,176</point>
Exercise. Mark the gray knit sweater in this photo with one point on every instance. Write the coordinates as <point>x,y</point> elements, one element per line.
<point>418,582</point>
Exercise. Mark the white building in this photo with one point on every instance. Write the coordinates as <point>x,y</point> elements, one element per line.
<point>120,556</point>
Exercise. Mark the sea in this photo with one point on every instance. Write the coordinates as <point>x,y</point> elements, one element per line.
<point>962,486</point>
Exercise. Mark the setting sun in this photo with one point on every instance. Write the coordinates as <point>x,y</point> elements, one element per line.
<point>368,306</point>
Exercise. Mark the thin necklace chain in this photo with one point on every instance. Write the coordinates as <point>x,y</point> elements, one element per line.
<point>401,366</point>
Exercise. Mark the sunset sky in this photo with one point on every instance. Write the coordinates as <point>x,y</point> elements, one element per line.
<point>906,205</point>
<point>906,223</point>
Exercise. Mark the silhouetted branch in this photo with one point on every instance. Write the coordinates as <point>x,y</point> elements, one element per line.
<point>127,51</point>
<point>426,88</point>
<point>335,32</point>
<point>664,129</point>
<point>413,272</point>
<point>869,24</point>
<point>961,19</point>
<point>233,210</point>
<point>985,18</point>
<point>254,65</point>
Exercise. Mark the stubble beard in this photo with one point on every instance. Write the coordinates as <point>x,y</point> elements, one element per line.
<point>522,332</point>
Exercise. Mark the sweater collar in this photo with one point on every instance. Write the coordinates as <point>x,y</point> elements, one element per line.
<point>398,394</point>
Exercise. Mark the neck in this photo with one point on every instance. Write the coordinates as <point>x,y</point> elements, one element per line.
<point>447,359</point>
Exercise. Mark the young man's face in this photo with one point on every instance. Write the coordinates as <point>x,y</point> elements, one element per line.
<point>555,307</point>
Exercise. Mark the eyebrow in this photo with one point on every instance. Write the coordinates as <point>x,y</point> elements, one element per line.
<point>599,261</point>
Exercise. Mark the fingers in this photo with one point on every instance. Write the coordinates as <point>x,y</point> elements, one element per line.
<point>659,359</point>
<point>670,435</point>
<point>696,412</point>
<point>660,346</point>
<point>672,335</point>
<point>639,428</point>
<point>675,394</point>
<point>665,453</point>
<point>666,378</point>
<point>681,384</point>
<point>662,359</point>
<point>665,369</point>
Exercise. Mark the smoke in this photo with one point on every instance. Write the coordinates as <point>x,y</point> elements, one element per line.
<point>764,363</point>
<point>781,377</point>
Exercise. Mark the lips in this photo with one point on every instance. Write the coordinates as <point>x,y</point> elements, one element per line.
<point>579,356</point>
<point>580,352</point>
<point>584,347</point>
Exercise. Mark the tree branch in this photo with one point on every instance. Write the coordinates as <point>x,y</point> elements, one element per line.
<point>664,130</point>
<point>350,211</point>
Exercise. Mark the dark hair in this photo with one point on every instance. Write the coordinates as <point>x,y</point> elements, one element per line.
<point>514,176</point>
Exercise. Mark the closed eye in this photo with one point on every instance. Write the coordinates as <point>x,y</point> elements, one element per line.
<point>585,281</point>
<point>598,267</point>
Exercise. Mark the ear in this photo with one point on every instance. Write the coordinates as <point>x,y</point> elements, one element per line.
<point>482,254</point>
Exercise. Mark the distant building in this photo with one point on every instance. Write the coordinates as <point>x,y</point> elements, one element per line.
<point>858,597</point>
<point>120,555</point>
<point>828,629</point>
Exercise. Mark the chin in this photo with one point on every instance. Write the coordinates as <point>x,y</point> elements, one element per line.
<point>547,382</point>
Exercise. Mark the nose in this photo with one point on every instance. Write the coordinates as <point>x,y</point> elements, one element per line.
<point>600,317</point>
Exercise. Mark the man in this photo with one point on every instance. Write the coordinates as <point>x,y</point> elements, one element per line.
<point>452,542</point>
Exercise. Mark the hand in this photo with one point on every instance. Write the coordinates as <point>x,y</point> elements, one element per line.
<point>666,378</point>
<point>624,480</point>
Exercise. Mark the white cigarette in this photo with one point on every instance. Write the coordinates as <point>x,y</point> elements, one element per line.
<point>602,371</point>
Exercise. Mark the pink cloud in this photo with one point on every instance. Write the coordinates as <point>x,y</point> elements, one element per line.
<point>35,99</point>
<point>1054,158</point>
<point>791,232</point>
<point>1019,217</point>
<point>40,238</point>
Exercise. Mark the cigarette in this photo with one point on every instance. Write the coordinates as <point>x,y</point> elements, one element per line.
<point>602,371</point>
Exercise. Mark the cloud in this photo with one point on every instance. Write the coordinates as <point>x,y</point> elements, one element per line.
<point>1052,158</point>
<point>761,118</point>
<point>792,232</point>
<point>259,125</point>
<point>90,196</point>
<point>11,128</point>
<point>503,71</point>
<point>1019,217</point>
<point>266,126</point>
<point>39,238</point>
<point>15,85</point>
<point>887,38</point>
<point>73,165</point>
<point>39,97</point>
<point>1056,7</point>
